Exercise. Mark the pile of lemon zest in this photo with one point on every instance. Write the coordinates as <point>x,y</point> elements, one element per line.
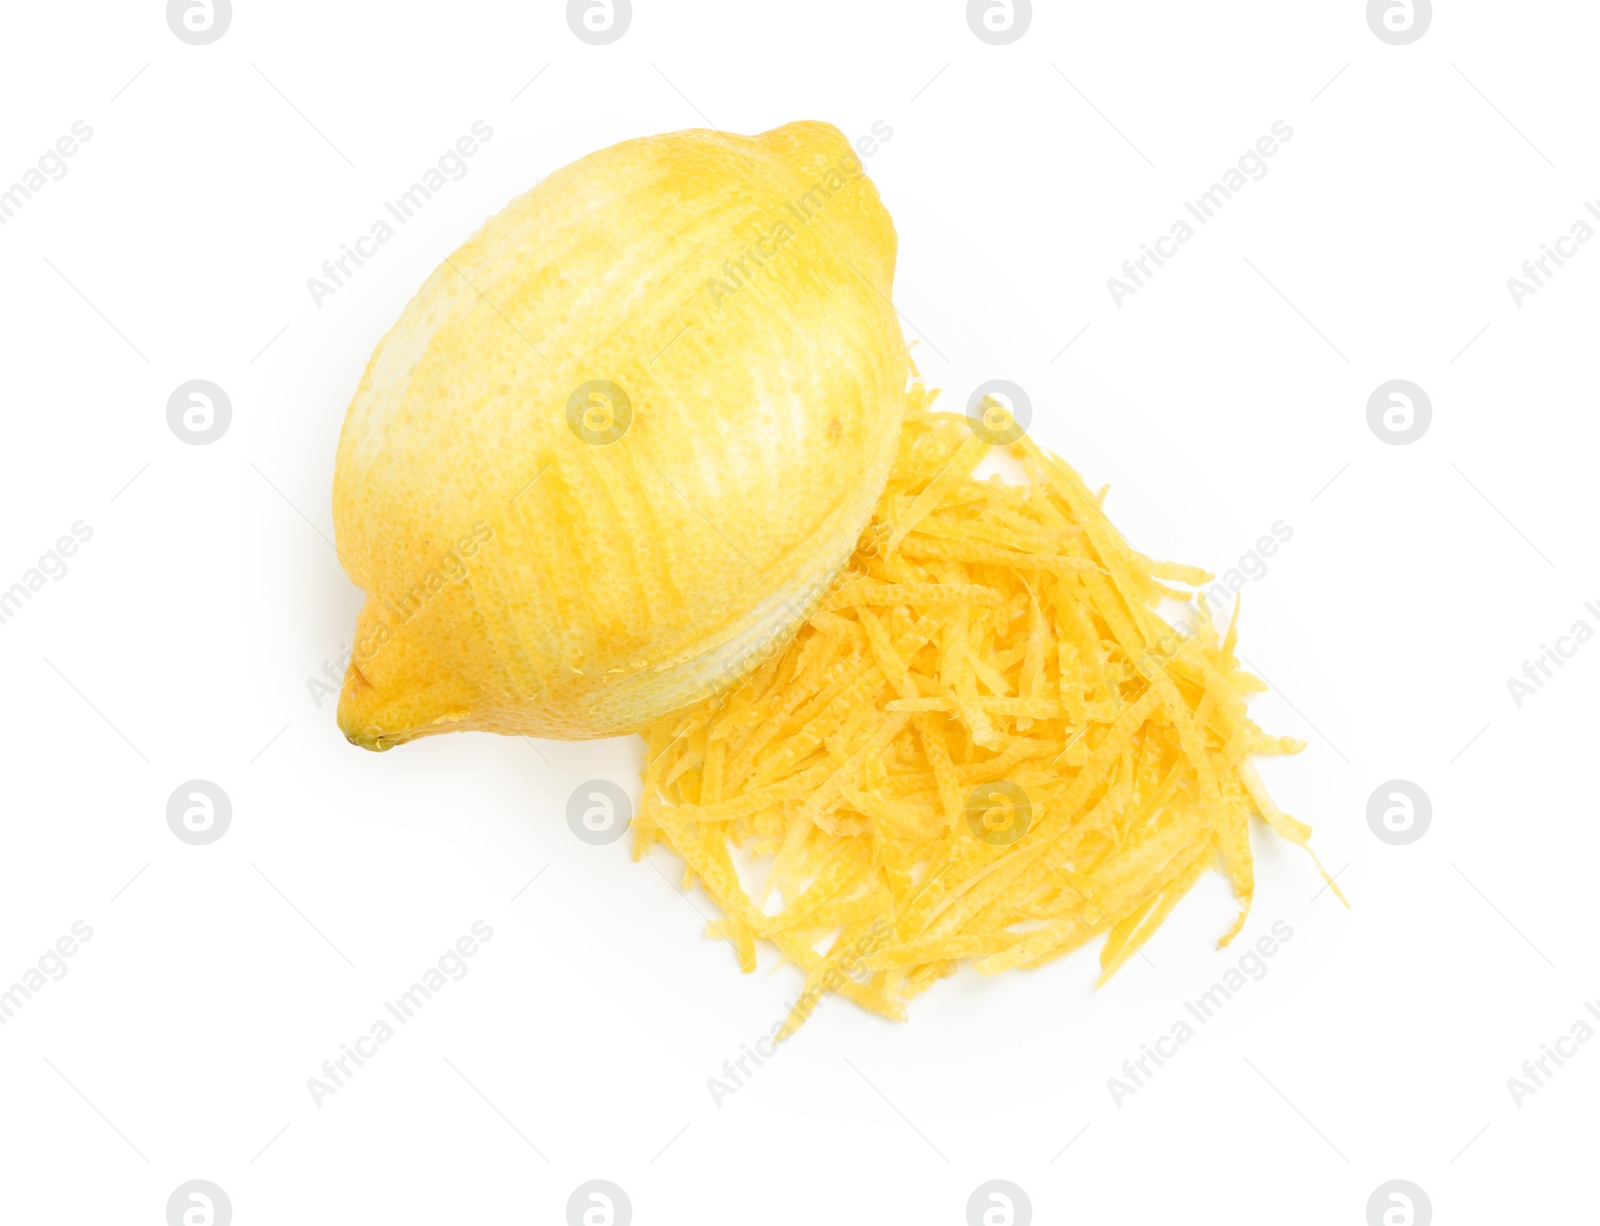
<point>998,636</point>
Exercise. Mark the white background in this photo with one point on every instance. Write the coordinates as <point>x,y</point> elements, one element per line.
<point>1224,396</point>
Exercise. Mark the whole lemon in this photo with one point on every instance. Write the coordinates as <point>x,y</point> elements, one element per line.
<point>618,445</point>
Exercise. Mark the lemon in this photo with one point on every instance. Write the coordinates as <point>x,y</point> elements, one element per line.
<point>615,449</point>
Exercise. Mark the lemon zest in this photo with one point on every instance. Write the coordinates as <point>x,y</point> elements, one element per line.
<point>986,744</point>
